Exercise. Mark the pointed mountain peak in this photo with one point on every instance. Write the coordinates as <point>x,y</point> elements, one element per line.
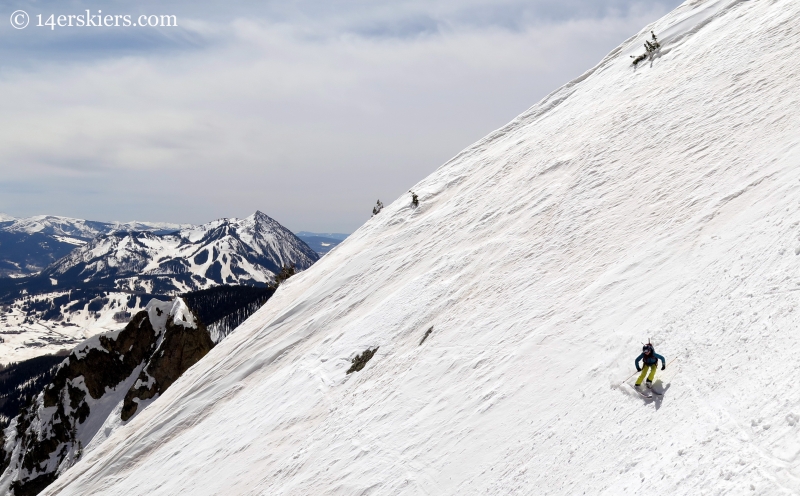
<point>259,220</point>
<point>260,216</point>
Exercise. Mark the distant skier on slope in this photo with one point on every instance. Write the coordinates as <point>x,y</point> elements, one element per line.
<point>651,359</point>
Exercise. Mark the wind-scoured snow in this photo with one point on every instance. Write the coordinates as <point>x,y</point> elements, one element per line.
<point>654,202</point>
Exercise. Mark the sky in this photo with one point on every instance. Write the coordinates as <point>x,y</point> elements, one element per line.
<point>309,110</point>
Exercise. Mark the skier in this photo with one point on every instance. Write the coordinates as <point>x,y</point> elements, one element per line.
<point>651,359</point>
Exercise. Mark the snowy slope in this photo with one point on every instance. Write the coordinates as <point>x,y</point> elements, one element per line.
<point>653,202</point>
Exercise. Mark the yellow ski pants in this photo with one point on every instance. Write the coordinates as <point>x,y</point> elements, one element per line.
<point>645,369</point>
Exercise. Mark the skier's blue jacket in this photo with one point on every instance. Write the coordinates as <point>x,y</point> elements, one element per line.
<point>650,359</point>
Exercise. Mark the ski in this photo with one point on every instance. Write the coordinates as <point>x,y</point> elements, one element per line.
<point>641,393</point>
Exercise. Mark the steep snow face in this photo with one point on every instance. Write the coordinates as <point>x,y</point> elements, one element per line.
<point>658,202</point>
<point>226,251</point>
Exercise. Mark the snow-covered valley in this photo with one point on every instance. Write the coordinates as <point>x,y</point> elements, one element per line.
<point>652,202</point>
<point>26,333</point>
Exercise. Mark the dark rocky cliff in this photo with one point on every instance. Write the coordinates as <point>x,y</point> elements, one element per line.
<point>96,389</point>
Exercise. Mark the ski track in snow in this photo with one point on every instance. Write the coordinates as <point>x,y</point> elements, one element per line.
<point>658,202</point>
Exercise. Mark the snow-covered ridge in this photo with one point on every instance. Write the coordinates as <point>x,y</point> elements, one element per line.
<point>659,201</point>
<point>225,251</point>
<point>31,244</point>
<point>81,229</point>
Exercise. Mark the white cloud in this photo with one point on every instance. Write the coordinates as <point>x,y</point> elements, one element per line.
<point>308,125</point>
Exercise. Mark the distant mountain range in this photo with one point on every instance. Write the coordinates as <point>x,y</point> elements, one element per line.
<point>226,251</point>
<point>29,245</point>
<point>322,243</point>
<point>99,274</point>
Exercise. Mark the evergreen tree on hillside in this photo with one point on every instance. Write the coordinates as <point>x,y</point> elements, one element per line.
<point>286,272</point>
<point>650,47</point>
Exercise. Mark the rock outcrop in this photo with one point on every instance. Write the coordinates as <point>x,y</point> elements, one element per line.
<point>99,387</point>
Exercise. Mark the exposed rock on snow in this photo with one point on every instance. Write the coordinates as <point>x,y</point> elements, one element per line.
<point>183,345</point>
<point>361,360</point>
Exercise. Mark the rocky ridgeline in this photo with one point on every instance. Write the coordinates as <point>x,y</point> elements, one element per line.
<point>99,387</point>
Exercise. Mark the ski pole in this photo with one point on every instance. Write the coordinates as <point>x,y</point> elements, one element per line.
<point>670,362</point>
<point>626,380</point>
